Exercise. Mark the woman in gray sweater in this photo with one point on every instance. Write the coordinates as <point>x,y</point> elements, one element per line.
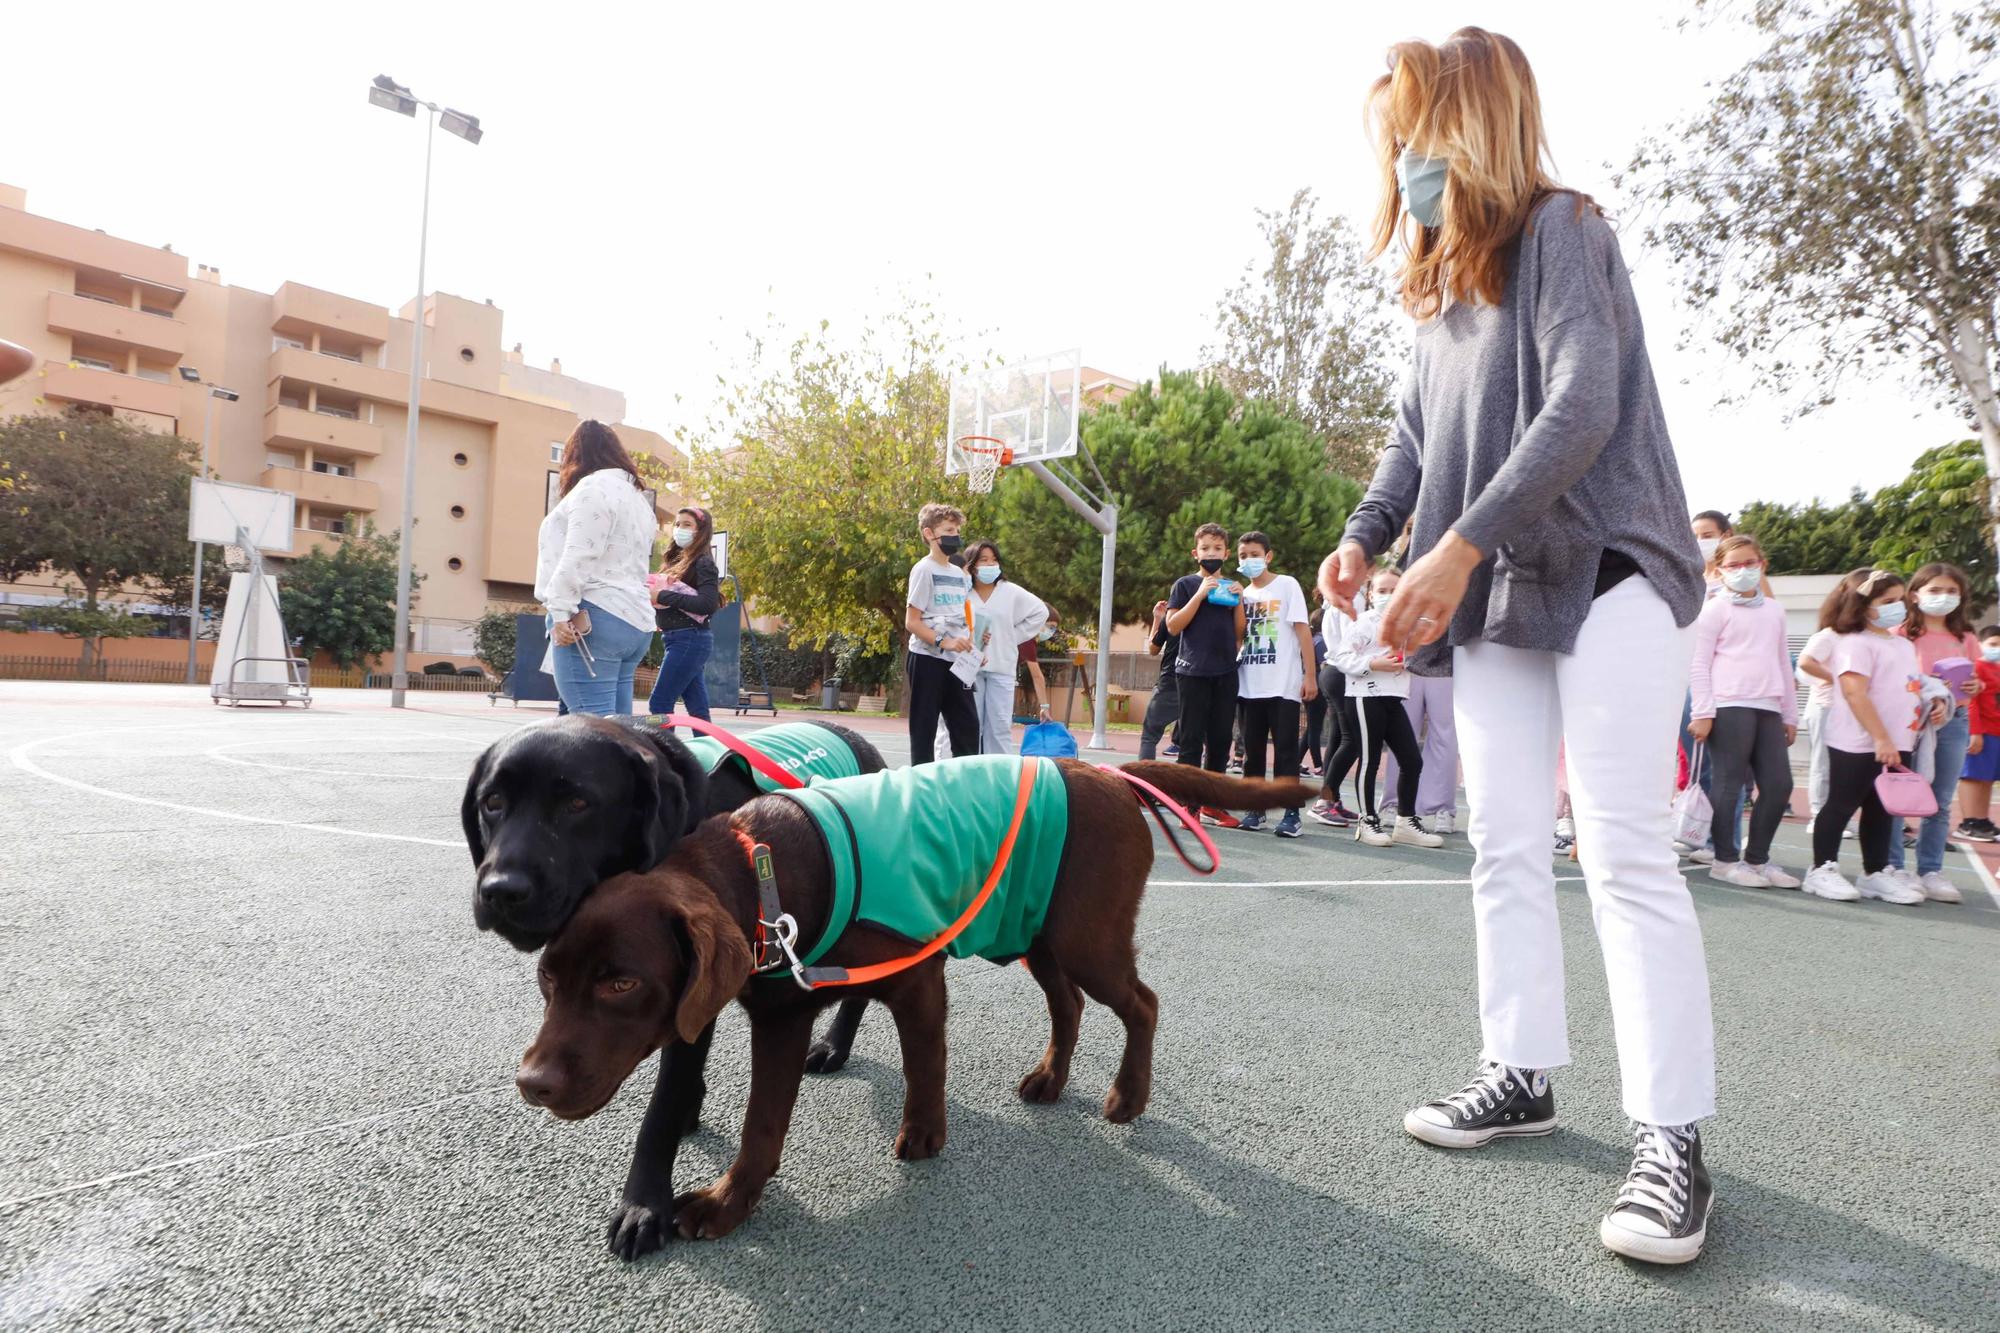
<point>1555,578</point>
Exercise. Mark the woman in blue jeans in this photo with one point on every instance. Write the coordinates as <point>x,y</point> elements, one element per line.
<point>686,592</point>
<point>1937,625</point>
<point>590,572</point>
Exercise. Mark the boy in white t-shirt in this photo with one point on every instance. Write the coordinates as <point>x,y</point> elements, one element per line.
<point>942,665</point>
<point>1273,669</point>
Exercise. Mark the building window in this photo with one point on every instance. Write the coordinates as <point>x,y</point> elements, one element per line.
<point>279,340</point>
<point>161,311</point>
<point>454,564</point>
<point>155,374</point>
<point>555,451</point>
<point>458,511</point>
<point>344,413</point>
<point>460,460</point>
<point>465,355</point>
<point>272,458</point>
<point>333,469</point>
<point>92,363</point>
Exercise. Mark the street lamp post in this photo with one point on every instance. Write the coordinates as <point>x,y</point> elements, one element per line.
<point>215,391</point>
<point>385,92</point>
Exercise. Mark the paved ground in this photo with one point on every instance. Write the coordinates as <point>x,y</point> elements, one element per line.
<point>254,1072</point>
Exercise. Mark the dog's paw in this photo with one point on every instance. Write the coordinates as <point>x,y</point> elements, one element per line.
<point>712,1213</point>
<point>636,1229</point>
<point>825,1058</point>
<point>1041,1085</point>
<point>1122,1107</point>
<point>914,1143</point>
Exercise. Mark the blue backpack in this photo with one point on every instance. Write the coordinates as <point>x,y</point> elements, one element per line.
<point>1048,740</point>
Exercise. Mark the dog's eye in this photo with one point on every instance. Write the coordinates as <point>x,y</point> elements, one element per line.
<point>492,803</point>
<point>620,985</point>
<point>577,805</point>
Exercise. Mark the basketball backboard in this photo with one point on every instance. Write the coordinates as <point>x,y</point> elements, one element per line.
<point>1029,406</point>
<point>217,509</point>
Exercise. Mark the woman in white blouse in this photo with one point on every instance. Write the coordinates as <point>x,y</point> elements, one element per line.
<point>591,560</point>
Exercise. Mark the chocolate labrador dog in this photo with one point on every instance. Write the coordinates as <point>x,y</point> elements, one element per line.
<point>650,960</point>
<point>554,809</point>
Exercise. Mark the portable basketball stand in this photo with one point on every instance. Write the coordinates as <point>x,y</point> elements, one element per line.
<point>247,520</point>
<point>1026,414</point>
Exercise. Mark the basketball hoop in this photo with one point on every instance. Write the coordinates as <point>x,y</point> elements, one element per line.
<point>983,456</point>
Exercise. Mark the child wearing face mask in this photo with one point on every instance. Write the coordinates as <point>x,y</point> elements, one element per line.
<point>942,668</point>
<point>1206,611</point>
<point>1982,758</point>
<point>686,592</point>
<point>1745,708</point>
<point>1004,616</point>
<point>1816,673</point>
<point>1378,683</point>
<point>1876,711</point>
<point>1937,627</point>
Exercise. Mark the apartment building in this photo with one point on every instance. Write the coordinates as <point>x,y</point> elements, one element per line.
<point>324,383</point>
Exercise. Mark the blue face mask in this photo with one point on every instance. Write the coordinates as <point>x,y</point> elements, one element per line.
<point>987,573</point>
<point>1890,616</point>
<point>683,537</point>
<point>1421,180</point>
<point>1253,568</point>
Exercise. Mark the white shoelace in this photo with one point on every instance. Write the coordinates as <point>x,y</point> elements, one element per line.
<point>1659,1176</point>
<point>1488,1089</point>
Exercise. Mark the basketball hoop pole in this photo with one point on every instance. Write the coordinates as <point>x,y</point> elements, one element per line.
<point>1105,519</point>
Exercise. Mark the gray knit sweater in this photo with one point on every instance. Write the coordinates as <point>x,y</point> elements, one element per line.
<point>1533,429</point>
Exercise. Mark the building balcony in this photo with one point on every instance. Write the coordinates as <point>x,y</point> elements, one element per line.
<point>108,388</point>
<point>323,489</point>
<point>296,428</point>
<point>123,326</point>
<point>332,372</point>
<point>299,311</point>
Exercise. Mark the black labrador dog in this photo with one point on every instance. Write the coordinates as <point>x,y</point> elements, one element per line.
<point>555,809</point>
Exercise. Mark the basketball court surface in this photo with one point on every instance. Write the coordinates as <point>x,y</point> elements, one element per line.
<point>258,1074</point>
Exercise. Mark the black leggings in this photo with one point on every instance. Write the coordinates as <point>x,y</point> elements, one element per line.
<point>1275,721</point>
<point>1163,710</point>
<point>1749,742</point>
<point>1208,714</point>
<point>1315,726</point>
<point>1387,722</point>
<point>934,691</point>
<point>1850,786</point>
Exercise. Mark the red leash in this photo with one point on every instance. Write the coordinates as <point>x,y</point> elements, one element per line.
<point>756,759</point>
<point>1152,798</point>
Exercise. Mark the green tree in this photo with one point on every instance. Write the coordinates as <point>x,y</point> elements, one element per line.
<point>1938,512</point>
<point>96,499</point>
<point>1815,538</point>
<point>343,601</point>
<point>1185,452</point>
<point>492,637</point>
<point>1836,206</point>
<point>817,465</point>
<point>1314,328</point>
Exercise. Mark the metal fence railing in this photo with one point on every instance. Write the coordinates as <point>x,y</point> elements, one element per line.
<point>122,671</point>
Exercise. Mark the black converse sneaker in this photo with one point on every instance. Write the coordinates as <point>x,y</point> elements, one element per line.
<point>1501,1102</point>
<point>1661,1215</point>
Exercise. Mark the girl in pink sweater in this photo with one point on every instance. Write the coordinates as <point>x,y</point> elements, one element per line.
<point>1746,709</point>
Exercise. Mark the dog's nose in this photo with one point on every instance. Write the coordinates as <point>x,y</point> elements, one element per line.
<point>537,1084</point>
<point>504,888</point>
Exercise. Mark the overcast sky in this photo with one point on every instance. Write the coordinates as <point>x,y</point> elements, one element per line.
<point>656,179</point>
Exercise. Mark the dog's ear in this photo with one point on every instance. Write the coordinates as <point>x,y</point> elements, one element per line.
<point>718,957</point>
<point>468,809</point>
<point>669,790</point>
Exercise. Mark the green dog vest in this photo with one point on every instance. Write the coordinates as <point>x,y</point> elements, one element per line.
<point>911,848</point>
<point>806,750</point>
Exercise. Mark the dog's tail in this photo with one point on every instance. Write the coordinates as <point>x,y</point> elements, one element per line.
<point>1193,786</point>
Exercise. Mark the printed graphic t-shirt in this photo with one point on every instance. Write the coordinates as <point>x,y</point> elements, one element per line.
<point>939,593</point>
<point>1269,666</point>
<point>1894,687</point>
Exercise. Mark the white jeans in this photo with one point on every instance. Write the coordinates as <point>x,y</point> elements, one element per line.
<point>1817,775</point>
<point>1615,703</point>
<point>995,697</point>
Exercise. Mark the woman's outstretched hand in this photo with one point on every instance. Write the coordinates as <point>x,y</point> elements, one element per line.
<point>1341,576</point>
<point>1427,598</point>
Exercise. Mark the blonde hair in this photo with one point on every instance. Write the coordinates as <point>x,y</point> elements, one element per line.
<point>1732,544</point>
<point>1472,102</point>
<point>933,514</point>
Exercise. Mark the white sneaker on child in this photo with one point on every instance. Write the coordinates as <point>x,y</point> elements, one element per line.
<point>1739,873</point>
<point>1907,878</point>
<point>1827,882</point>
<point>1441,822</point>
<point>1884,885</point>
<point>1777,877</point>
<point>1940,890</point>
<point>1410,832</point>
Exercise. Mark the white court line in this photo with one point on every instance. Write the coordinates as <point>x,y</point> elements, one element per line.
<point>1312,883</point>
<point>19,754</point>
<point>216,753</point>
<point>117,1176</point>
<point>1985,876</point>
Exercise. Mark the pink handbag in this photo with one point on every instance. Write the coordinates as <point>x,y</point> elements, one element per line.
<point>1905,794</point>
